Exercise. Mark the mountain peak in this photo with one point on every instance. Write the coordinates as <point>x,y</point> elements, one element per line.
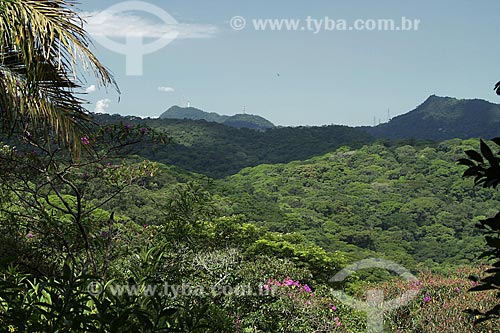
<point>440,118</point>
<point>238,120</point>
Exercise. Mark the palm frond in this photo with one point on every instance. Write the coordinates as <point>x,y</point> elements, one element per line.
<point>42,43</point>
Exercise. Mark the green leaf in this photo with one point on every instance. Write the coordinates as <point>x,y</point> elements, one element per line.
<point>472,171</point>
<point>465,161</point>
<point>487,153</point>
<point>474,155</point>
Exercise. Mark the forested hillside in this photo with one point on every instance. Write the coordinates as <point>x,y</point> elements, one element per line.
<point>401,202</point>
<point>217,150</point>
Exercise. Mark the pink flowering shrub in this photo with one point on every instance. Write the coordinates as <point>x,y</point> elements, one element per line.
<point>440,305</point>
<point>301,308</point>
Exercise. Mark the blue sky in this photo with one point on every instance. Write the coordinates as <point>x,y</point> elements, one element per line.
<point>301,77</point>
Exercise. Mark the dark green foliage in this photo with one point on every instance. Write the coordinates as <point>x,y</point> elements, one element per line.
<point>484,166</point>
<point>403,202</point>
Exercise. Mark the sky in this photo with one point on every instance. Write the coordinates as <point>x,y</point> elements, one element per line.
<point>325,70</point>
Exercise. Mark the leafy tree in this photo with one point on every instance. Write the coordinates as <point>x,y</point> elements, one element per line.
<point>51,192</point>
<point>43,48</point>
<point>484,166</point>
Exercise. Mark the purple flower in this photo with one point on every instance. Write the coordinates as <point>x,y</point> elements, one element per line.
<point>128,126</point>
<point>307,288</point>
<point>104,234</point>
<point>427,298</point>
<point>288,282</point>
<point>457,289</point>
<point>474,283</point>
<point>144,130</point>
<point>30,235</point>
<point>85,140</point>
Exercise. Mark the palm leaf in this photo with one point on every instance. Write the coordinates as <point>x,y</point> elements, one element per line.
<point>42,47</point>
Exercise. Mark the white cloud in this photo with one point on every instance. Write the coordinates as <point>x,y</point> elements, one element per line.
<point>120,25</point>
<point>166,89</point>
<point>102,105</point>
<point>91,89</point>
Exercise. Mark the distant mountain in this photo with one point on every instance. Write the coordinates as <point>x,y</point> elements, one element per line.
<point>442,118</point>
<point>178,112</point>
<point>238,120</point>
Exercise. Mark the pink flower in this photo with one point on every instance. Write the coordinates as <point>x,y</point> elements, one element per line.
<point>288,282</point>
<point>30,235</point>
<point>308,303</point>
<point>85,140</point>
<point>474,283</point>
<point>238,323</point>
<point>457,289</point>
<point>427,298</point>
<point>307,288</point>
<point>334,308</point>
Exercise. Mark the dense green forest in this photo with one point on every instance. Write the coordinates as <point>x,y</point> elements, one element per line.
<point>403,202</point>
<point>120,224</point>
<point>290,227</point>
